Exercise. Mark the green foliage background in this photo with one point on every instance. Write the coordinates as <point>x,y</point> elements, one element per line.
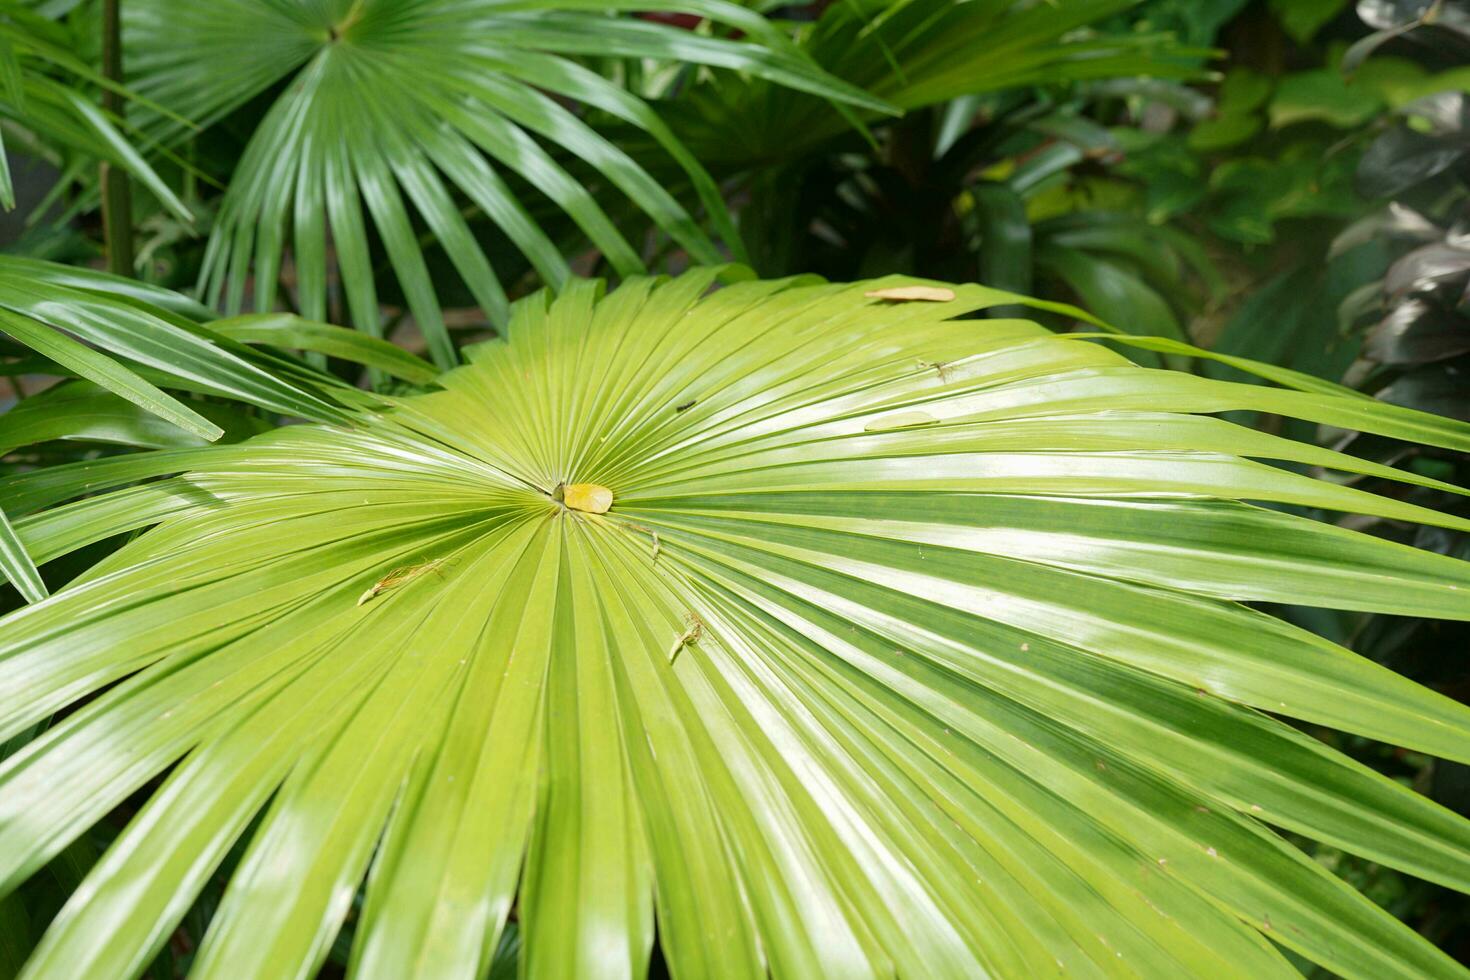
<point>1279,180</point>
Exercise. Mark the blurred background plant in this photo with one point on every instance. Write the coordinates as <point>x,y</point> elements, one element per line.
<point>1285,180</point>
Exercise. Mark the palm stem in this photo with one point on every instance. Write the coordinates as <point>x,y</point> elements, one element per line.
<point>117,204</point>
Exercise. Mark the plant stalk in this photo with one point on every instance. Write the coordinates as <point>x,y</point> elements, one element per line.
<point>117,195</point>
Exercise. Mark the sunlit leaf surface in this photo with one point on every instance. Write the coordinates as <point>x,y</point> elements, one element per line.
<point>797,692</point>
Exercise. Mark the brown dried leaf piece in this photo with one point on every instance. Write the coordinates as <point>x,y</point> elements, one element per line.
<point>908,294</point>
<point>400,576</point>
<point>588,497</point>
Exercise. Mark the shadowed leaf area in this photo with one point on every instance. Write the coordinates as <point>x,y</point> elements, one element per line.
<point>818,633</point>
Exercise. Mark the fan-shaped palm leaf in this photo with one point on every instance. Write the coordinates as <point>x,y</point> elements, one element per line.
<point>828,634</point>
<point>387,98</point>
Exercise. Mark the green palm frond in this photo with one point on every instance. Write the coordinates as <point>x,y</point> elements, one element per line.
<point>16,564</point>
<point>433,101</point>
<point>120,344</point>
<point>918,53</point>
<point>819,632</point>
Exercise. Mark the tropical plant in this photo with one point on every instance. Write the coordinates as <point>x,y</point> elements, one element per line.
<point>1308,130</point>
<point>909,54</point>
<point>998,191</point>
<point>1416,348</point>
<point>818,196</point>
<point>1273,172</point>
<point>44,94</point>
<point>814,629</point>
<point>385,99</point>
<point>1413,322</point>
<point>120,347</point>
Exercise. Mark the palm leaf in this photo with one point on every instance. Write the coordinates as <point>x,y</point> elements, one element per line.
<point>914,54</point>
<point>130,347</point>
<point>16,563</point>
<point>39,74</point>
<point>825,635</point>
<point>289,332</point>
<point>88,363</point>
<point>425,99</point>
<point>100,330</point>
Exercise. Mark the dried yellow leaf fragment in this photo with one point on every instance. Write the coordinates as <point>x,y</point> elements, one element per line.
<point>587,497</point>
<point>908,294</point>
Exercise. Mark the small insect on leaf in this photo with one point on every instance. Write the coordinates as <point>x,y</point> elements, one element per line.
<point>909,294</point>
<point>940,368</point>
<point>694,628</point>
<point>588,497</point>
<point>651,533</point>
<point>399,576</point>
